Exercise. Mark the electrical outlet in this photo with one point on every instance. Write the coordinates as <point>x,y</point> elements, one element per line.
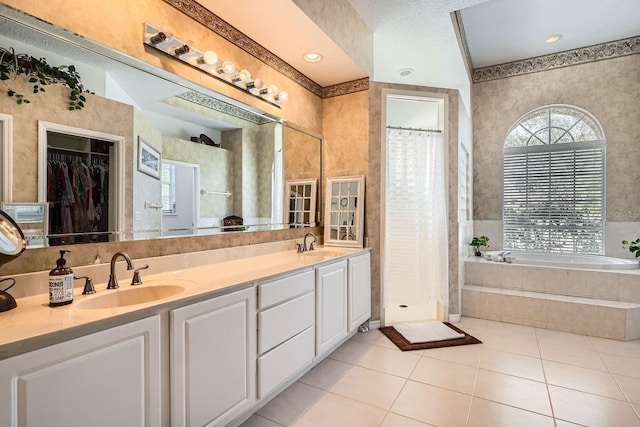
<point>138,216</point>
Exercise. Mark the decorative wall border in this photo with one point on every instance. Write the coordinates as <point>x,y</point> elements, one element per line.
<point>345,88</point>
<point>584,55</point>
<point>219,26</point>
<point>223,107</point>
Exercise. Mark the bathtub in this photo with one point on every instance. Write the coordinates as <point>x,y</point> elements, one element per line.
<point>590,262</point>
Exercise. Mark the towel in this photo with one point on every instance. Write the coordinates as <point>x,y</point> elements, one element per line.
<point>426,331</point>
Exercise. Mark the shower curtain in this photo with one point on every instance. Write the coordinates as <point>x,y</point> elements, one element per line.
<point>415,239</point>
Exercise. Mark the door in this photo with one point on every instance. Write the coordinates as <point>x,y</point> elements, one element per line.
<point>179,187</point>
<point>331,306</point>
<point>359,290</point>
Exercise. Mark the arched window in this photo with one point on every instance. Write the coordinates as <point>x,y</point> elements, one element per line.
<point>554,182</point>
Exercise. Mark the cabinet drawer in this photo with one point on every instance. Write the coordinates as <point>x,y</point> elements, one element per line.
<point>278,365</point>
<point>283,321</point>
<point>283,289</point>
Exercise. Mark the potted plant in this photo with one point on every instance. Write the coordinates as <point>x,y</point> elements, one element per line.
<point>40,74</point>
<point>477,242</point>
<point>633,246</point>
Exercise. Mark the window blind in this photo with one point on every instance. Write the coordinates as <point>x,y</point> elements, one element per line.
<point>554,200</point>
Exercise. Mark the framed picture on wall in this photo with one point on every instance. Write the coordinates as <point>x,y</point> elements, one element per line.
<point>148,159</point>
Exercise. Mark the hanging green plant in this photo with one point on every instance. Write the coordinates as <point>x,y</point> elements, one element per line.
<point>40,74</point>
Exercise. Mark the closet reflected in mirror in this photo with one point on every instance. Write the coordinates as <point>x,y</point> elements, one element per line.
<point>344,215</point>
<point>78,178</point>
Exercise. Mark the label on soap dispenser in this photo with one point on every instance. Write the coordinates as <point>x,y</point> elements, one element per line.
<point>60,289</point>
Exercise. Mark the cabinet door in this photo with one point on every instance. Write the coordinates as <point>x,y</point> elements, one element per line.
<point>331,306</point>
<point>110,378</point>
<point>213,360</point>
<point>359,290</point>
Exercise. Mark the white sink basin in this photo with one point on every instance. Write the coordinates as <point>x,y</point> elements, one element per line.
<point>149,291</point>
<point>320,254</point>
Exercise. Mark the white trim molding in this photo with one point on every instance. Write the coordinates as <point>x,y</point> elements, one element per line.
<point>6,147</point>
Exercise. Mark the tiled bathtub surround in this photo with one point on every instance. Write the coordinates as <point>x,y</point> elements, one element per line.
<point>590,302</point>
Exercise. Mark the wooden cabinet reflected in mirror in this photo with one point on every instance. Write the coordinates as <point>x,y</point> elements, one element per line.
<point>344,214</point>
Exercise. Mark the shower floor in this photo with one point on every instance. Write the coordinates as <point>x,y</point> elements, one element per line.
<point>398,313</point>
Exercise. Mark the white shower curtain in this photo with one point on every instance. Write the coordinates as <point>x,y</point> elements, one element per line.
<point>415,240</point>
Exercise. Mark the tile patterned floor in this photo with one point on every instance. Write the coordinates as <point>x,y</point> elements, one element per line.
<point>520,376</point>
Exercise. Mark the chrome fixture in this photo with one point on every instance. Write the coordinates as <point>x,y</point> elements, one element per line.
<point>137,280</point>
<point>501,257</point>
<point>306,248</point>
<point>113,281</point>
<point>88,285</point>
<point>209,62</point>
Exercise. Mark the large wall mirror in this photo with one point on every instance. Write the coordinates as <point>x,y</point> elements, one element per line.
<point>190,159</point>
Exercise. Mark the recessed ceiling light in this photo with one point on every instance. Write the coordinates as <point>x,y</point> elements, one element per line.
<point>404,72</point>
<point>313,57</point>
<point>554,38</point>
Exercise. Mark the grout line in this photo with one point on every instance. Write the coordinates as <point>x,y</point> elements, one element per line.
<point>544,374</point>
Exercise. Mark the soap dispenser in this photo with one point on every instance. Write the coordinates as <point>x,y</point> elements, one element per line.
<point>60,283</point>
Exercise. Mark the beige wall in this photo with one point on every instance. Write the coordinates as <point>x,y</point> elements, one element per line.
<point>608,89</point>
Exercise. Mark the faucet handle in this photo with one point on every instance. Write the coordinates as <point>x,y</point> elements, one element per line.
<point>88,285</point>
<point>299,250</point>
<point>311,246</point>
<point>137,280</point>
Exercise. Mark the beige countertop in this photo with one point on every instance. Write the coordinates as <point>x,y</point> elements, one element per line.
<point>33,324</point>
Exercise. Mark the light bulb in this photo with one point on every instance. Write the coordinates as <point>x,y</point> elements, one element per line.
<point>210,58</point>
<point>228,67</point>
<point>282,96</point>
<point>255,85</point>
<point>242,76</point>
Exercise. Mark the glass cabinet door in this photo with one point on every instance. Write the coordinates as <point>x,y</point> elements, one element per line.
<point>344,216</point>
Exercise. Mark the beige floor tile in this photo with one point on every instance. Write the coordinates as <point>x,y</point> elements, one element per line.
<point>619,348</point>
<point>591,410</point>
<point>512,343</point>
<point>564,339</point>
<point>395,420</point>
<point>571,355</point>
<point>440,373</point>
<point>325,374</point>
<point>637,409</point>
<point>511,329</point>
<point>374,337</point>
<point>351,351</point>
<point>622,365</point>
<point>258,421</point>
<point>485,413</point>
<point>464,354</point>
<point>582,379</point>
<point>432,405</point>
<point>471,321</point>
<point>630,387</point>
<point>337,411</point>
<point>513,391</point>
<point>389,361</point>
<point>291,404</point>
<point>562,423</point>
<point>512,364</point>
<point>372,387</point>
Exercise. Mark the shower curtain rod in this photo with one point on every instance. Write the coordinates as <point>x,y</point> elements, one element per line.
<point>415,129</point>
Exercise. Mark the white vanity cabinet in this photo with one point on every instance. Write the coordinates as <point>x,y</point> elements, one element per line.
<point>359,290</point>
<point>286,319</point>
<point>108,378</point>
<point>213,359</point>
<point>331,306</point>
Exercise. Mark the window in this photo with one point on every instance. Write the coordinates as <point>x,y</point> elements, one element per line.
<point>168,180</point>
<point>554,182</point>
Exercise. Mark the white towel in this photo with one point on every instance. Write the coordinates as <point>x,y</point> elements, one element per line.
<point>426,331</point>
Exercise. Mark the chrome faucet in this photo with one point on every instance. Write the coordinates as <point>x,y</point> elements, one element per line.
<point>306,248</point>
<point>501,257</point>
<point>113,281</point>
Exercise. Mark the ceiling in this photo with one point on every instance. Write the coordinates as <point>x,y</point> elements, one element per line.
<point>420,34</point>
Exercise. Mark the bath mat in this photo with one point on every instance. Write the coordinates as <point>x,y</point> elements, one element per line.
<point>404,345</point>
<point>433,330</point>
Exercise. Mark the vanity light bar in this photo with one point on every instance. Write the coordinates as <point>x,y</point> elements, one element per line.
<point>210,63</point>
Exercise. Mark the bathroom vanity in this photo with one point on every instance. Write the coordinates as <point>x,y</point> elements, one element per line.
<point>220,342</point>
